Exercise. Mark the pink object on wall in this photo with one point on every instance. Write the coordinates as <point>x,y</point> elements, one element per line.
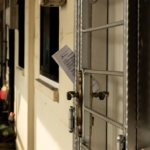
<point>2,95</point>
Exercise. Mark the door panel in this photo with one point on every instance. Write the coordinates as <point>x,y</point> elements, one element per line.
<point>115,49</point>
<point>113,132</point>
<point>104,54</point>
<point>98,137</point>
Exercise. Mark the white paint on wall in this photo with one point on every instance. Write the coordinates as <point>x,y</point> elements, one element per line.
<point>20,102</point>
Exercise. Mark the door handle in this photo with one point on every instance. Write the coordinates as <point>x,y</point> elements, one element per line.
<point>72,94</point>
<point>102,95</point>
<point>79,98</point>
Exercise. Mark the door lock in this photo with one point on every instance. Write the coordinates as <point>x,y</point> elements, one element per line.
<point>102,95</point>
<point>72,94</point>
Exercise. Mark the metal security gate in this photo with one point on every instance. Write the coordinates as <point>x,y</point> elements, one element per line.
<point>106,75</point>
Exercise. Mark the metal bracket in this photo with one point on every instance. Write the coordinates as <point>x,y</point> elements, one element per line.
<point>121,142</point>
<point>148,148</point>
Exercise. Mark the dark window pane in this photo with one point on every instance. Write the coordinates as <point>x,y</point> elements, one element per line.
<point>49,41</point>
<point>21,22</point>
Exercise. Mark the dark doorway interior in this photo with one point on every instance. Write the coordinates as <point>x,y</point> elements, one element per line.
<point>11,69</point>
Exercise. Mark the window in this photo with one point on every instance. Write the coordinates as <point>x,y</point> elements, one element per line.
<point>49,41</point>
<point>21,14</point>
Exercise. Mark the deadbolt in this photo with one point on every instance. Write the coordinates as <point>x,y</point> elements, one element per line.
<point>102,95</point>
<point>72,94</point>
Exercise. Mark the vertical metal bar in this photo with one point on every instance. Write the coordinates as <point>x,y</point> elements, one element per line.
<point>80,57</point>
<point>80,29</point>
<point>76,140</point>
<point>125,66</point>
<point>130,81</point>
<point>85,62</point>
<point>78,32</point>
<point>107,68</point>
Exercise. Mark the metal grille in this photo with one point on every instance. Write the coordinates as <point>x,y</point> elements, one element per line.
<point>83,47</point>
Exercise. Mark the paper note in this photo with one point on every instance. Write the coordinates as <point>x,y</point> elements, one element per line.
<point>65,58</point>
<point>95,86</point>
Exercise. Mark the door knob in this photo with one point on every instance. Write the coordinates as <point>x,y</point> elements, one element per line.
<point>101,95</point>
<point>72,94</point>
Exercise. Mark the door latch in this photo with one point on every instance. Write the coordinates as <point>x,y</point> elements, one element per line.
<point>121,142</point>
<point>101,95</point>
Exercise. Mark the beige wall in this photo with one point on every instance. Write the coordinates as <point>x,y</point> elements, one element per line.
<point>51,117</point>
<point>41,113</point>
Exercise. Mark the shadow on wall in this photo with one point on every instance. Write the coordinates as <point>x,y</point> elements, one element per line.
<point>20,117</point>
<point>49,130</point>
<point>21,101</point>
<point>20,144</point>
